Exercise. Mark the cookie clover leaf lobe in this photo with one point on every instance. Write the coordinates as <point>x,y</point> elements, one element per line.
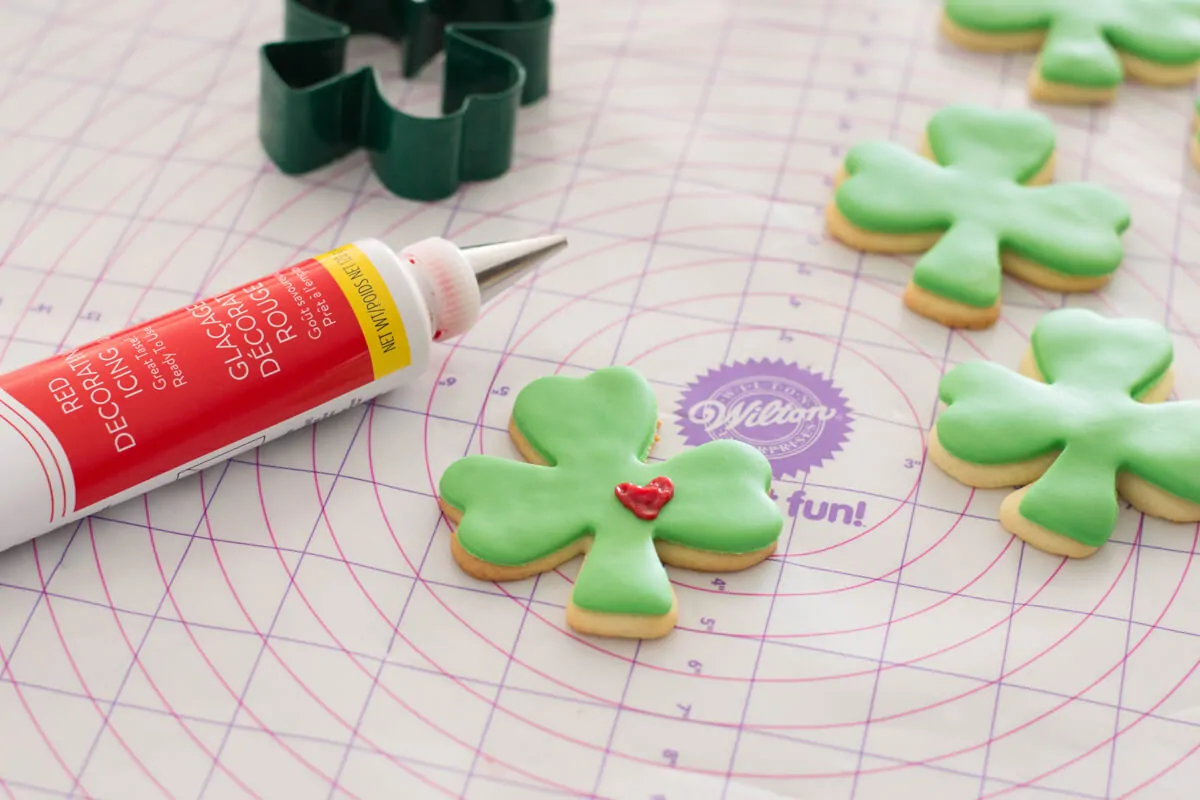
<point>585,487</point>
<point>974,203</point>
<point>1081,424</point>
<point>1086,47</point>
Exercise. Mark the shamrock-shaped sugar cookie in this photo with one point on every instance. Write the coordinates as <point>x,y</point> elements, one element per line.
<point>1082,421</point>
<point>588,490</point>
<point>973,200</point>
<point>1087,47</point>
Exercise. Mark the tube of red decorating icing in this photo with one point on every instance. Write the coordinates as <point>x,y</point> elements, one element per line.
<point>117,417</point>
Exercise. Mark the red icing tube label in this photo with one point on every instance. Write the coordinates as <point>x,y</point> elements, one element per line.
<point>151,399</point>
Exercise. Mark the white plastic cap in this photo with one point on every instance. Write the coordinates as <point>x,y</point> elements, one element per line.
<point>448,282</point>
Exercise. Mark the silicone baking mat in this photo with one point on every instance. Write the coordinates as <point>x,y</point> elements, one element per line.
<point>291,624</point>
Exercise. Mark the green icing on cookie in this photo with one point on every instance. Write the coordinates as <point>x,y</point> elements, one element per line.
<point>1083,36</point>
<point>1095,369</point>
<point>594,433</point>
<point>973,192</point>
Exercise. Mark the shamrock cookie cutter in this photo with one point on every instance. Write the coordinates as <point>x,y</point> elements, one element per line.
<point>312,113</point>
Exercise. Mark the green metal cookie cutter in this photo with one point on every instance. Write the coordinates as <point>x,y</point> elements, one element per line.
<point>312,113</point>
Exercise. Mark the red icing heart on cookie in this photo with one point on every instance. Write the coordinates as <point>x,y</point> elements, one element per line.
<point>646,501</point>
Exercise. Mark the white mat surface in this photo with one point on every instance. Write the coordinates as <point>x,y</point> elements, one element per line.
<point>291,625</point>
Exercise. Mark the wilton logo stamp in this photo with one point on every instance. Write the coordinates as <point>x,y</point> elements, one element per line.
<point>795,417</point>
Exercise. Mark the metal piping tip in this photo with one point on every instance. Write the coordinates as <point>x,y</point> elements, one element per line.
<point>498,266</point>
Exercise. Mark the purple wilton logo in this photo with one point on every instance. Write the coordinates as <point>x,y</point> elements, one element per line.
<point>795,417</point>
